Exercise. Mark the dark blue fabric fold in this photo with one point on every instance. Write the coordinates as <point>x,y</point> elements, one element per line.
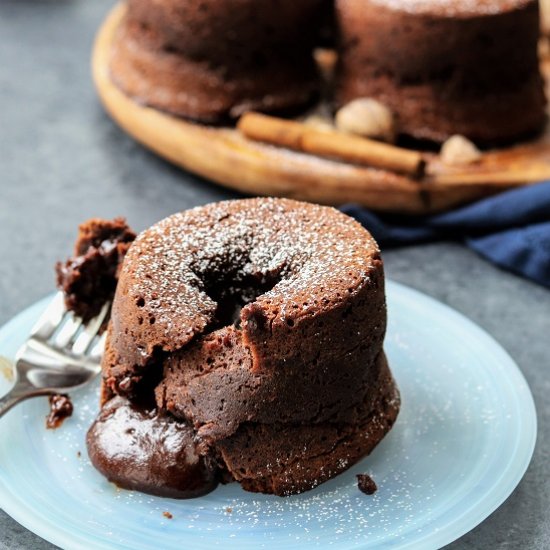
<point>511,229</point>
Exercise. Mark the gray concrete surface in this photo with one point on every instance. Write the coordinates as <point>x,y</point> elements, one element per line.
<point>62,160</point>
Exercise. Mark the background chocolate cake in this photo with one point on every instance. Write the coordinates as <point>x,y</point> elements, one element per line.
<point>445,67</point>
<point>213,59</point>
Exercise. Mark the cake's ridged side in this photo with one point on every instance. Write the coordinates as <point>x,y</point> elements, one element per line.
<point>218,401</point>
<point>286,459</point>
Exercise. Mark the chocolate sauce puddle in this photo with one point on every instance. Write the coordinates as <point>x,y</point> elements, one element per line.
<point>148,452</point>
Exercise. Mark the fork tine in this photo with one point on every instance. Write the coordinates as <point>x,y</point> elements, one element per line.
<point>68,331</point>
<point>97,349</point>
<point>50,319</point>
<point>90,331</point>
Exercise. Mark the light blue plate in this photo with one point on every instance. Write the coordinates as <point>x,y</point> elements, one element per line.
<point>462,442</point>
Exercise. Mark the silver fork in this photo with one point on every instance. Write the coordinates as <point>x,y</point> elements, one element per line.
<point>60,354</point>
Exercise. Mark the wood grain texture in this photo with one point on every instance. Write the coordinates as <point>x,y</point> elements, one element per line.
<point>224,156</point>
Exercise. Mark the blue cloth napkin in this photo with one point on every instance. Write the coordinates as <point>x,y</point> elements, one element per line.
<point>511,229</point>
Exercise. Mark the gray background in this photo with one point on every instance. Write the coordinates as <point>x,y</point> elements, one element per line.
<point>62,161</point>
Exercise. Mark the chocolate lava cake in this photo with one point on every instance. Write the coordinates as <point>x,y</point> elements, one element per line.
<point>210,60</point>
<point>245,344</point>
<point>445,67</point>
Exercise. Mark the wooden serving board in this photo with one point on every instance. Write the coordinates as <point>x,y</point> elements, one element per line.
<point>224,156</point>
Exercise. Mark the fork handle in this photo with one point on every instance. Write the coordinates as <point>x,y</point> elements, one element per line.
<point>18,393</point>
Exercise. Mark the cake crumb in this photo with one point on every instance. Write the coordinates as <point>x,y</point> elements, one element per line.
<point>167,515</point>
<point>366,484</point>
<point>61,408</point>
<point>229,510</point>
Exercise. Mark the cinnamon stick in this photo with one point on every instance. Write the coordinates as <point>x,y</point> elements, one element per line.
<point>332,144</point>
<point>509,178</point>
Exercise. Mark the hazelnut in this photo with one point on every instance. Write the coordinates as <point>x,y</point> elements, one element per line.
<point>458,151</point>
<point>366,117</point>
